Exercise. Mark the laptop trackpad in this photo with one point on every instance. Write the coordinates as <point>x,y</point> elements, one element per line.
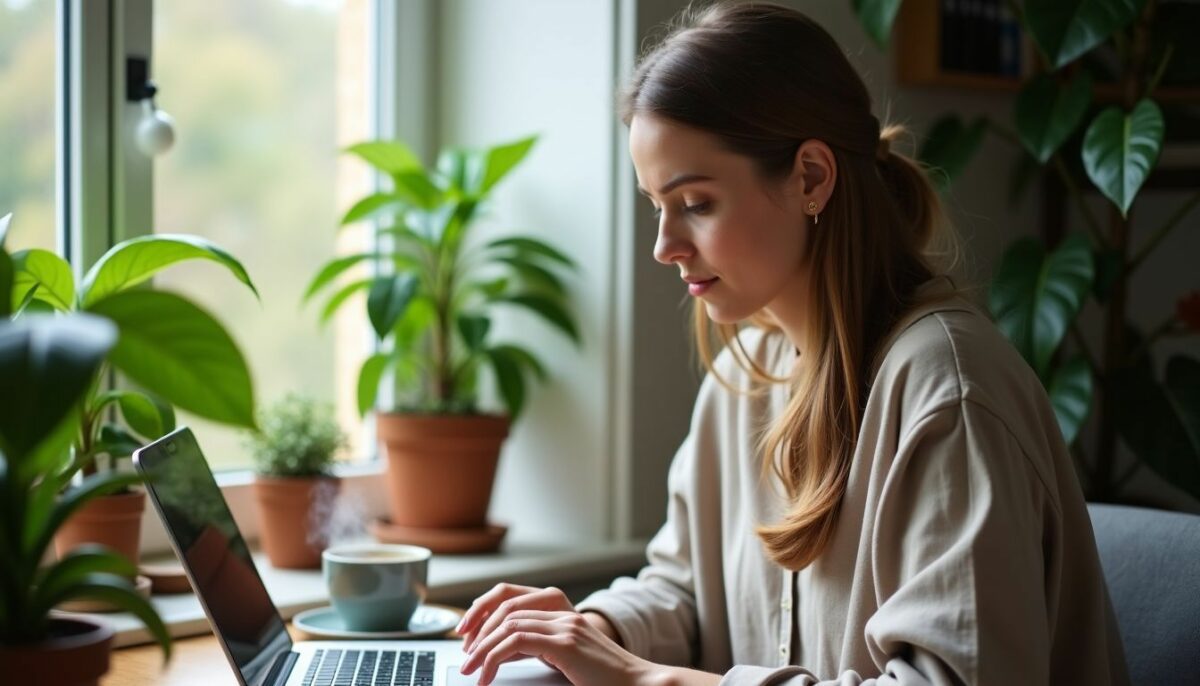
<point>528,672</point>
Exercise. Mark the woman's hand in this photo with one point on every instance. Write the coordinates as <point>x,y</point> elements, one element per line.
<point>511,622</point>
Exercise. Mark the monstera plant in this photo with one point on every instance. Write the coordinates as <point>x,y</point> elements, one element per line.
<point>176,354</point>
<point>47,365</point>
<point>431,303</point>
<point>1109,138</point>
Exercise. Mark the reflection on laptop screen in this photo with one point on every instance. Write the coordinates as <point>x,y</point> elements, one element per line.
<point>214,553</point>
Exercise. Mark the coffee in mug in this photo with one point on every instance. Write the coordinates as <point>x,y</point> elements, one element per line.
<point>376,586</point>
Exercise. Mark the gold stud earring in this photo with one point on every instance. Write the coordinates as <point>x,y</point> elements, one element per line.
<point>812,207</point>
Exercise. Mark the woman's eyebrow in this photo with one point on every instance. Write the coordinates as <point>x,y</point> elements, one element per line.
<point>676,182</point>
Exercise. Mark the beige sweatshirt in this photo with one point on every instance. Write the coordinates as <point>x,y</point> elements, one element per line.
<point>963,553</point>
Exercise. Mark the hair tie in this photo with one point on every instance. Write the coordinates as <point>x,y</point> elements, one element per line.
<point>883,149</point>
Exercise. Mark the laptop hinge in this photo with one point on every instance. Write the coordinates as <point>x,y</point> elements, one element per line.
<point>282,669</point>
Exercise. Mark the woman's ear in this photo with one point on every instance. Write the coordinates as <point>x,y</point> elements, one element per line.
<point>814,173</point>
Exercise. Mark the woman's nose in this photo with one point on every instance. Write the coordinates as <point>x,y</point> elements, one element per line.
<point>669,247</point>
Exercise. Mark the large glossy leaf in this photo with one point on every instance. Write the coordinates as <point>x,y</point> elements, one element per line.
<point>74,568</point>
<point>877,17</point>
<point>524,358</point>
<point>1070,393</point>
<point>388,298</point>
<point>501,159</point>
<point>950,145</point>
<point>333,269</point>
<point>133,261</point>
<point>140,411</point>
<point>47,272</point>
<point>343,294</point>
<point>1065,29</point>
<point>509,381</point>
<point>415,186</point>
<point>1157,424</point>
<point>533,274</point>
<point>1120,150</point>
<point>388,157</point>
<point>1047,114</point>
<point>179,352</point>
<point>548,308</point>
<point>46,364</point>
<point>1036,296</point>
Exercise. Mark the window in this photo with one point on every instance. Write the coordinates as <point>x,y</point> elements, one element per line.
<point>264,96</point>
<point>27,104</point>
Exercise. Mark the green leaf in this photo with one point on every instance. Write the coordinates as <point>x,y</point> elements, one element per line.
<point>46,364</point>
<point>509,381</point>
<point>877,17</point>
<point>368,380</point>
<point>388,298</point>
<point>119,592</point>
<point>549,309</point>
<point>524,358</point>
<point>372,205</point>
<point>178,351</point>
<point>49,273</point>
<point>38,534</point>
<point>417,188</point>
<point>524,245</point>
<point>143,414</point>
<point>341,296</point>
<point>1120,150</point>
<point>1070,393</point>
<point>1066,29</point>
<point>7,302</point>
<point>333,269</point>
<point>473,329</point>
<point>501,159</point>
<point>418,317</point>
<point>73,569</point>
<point>452,165</point>
<point>534,274</point>
<point>388,157</point>
<point>133,261</point>
<point>949,146</point>
<point>1046,115</point>
<point>1035,296</point>
<point>116,442</point>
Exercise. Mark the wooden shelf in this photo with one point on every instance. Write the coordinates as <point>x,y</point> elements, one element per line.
<point>918,49</point>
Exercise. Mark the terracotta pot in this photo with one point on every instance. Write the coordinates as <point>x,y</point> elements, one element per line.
<point>440,468</point>
<point>111,520</point>
<point>76,654</point>
<point>291,512</point>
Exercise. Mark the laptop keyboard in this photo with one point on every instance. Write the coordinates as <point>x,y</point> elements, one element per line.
<point>370,668</point>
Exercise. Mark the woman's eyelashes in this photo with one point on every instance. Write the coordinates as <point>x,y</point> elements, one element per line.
<point>698,208</point>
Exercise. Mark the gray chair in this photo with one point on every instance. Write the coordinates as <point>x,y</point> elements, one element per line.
<point>1151,561</point>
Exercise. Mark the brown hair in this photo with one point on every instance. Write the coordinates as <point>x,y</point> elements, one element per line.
<point>762,79</point>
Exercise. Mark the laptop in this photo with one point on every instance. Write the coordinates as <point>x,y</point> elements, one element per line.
<point>246,621</point>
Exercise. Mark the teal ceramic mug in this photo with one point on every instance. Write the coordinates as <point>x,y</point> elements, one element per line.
<point>376,586</point>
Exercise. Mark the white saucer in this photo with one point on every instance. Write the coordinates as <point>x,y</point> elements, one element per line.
<point>429,621</point>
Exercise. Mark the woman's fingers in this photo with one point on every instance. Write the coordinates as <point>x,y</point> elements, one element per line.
<point>485,604</point>
<point>517,645</point>
<point>519,622</point>
<point>550,599</point>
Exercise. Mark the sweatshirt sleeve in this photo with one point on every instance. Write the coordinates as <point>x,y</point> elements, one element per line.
<point>655,614</point>
<point>959,570</point>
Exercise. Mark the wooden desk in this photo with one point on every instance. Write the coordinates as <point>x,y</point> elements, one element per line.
<point>197,661</point>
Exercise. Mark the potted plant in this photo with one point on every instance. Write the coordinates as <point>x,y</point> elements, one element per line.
<point>431,304</point>
<point>294,450</point>
<point>1076,131</point>
<point>176,353</point>
<point>47,365</point>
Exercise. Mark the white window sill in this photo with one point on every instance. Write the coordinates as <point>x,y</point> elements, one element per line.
<point>451,579</point>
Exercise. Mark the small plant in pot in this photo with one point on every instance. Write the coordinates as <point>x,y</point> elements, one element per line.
<point>47,365</point>
<point>294,452</point>
<point>431,304</point>
<point>177,354</point>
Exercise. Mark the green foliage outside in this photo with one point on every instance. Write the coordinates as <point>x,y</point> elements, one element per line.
<point>1038,290</point>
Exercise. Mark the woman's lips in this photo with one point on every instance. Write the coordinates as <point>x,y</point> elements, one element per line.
<point>700,287</point>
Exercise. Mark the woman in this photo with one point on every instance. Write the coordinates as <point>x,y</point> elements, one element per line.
<point>918,520</point>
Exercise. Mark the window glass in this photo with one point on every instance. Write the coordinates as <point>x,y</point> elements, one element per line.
<point>27,120</point>
<point>264,94</point>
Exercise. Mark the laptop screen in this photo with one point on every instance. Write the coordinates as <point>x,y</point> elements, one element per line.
<point>214,553</point>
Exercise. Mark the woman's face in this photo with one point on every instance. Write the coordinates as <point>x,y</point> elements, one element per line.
<point>717,223</point>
